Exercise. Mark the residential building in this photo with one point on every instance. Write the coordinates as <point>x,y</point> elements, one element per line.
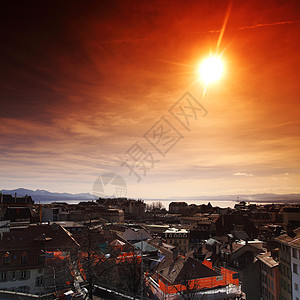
<point>286,266</point>
<point>135,234</point>
<point>241,257</point>
<point>178,237</point>
<point>269,275</point>
<point>225,224</point>
<point>113,215</point>
<point>132,208</point>
<point>295,264</point>
<point>178,277</point>
<point>290,264</point>
<point>36,260</point>
<point>9,200</point>
<point>291,216</point>
<point>178,207</point>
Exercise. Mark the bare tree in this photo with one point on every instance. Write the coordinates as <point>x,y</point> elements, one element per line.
<point>131,273</point>
<point>189,287</point>
<point>94,258</point>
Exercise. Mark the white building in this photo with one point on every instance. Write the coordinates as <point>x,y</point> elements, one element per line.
<point>295,268</point>
<point>178,237</point>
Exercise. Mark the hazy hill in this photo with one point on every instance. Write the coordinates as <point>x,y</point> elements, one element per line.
<point>43,196</point>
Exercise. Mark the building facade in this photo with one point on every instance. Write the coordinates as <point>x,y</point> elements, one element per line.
<point>36,260</point>
<point>269,274</point>
<point>295,263</point>
<point>178,238</point>
<point>289,265</point>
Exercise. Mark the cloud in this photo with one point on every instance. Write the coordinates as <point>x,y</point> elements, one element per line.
<point>289,22</point>
<point>242,174</point>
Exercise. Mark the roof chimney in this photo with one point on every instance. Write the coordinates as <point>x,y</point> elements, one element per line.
<point>106,232</point>
<point>15,197</point>
<point>175,253</point>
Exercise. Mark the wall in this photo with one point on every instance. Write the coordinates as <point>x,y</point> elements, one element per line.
<point>30,282</point>
<point>295,277</point>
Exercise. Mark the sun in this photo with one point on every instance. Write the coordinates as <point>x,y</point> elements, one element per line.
<point>211,69</point>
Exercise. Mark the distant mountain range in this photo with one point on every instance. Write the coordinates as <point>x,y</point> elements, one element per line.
<point>45,196</point>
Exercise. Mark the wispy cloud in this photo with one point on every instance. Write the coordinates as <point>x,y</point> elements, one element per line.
<point>242,174</point>
<point>255,26</point>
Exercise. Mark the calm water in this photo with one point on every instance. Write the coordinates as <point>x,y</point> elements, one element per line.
<point>166,202</point>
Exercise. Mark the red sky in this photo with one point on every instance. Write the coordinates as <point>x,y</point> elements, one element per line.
<point>83,81</point>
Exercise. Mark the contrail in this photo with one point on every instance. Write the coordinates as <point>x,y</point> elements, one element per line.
<point>258,26</point>
<point>224,25</point>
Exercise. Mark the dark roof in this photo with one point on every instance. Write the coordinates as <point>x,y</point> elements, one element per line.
<point>100,238</point>
<point>183,269</point>
<point>9,199</point>
<point>225,224</point>
<point>55,236</point>
<point>292,239</point>
<point>15,213</point>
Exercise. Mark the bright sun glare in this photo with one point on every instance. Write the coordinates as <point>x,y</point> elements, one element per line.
<point>211,69</point>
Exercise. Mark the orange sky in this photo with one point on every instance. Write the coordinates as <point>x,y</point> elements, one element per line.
<point>81,82</point>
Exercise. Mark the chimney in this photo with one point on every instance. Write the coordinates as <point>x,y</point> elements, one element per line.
<point>106,232</point>
<point>15,197</point>
<point>1,198</point>
<point>289,230</point>
<point>175,253</point>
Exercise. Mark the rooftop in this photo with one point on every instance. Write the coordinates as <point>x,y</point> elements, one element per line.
<point>183,269</point>
<point>176,230</point>
<point>292,239</point>
<point>268,259</point>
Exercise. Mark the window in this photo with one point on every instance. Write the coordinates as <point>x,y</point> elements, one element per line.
<point>24,259</point>
<point>3,276</point>
<point>41,259</point>
<point>6,260</point>
<point>13,275</point>
<point>39,281</point>
<point>295,268</point>
<point>23,275</point>
<point>294,252</point>
<point>296,286</point>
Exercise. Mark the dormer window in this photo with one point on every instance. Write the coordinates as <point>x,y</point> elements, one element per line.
<point>6,258</point>
<point>24,259</point>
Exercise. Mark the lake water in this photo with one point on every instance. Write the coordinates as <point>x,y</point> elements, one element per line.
<point>166,202</point>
